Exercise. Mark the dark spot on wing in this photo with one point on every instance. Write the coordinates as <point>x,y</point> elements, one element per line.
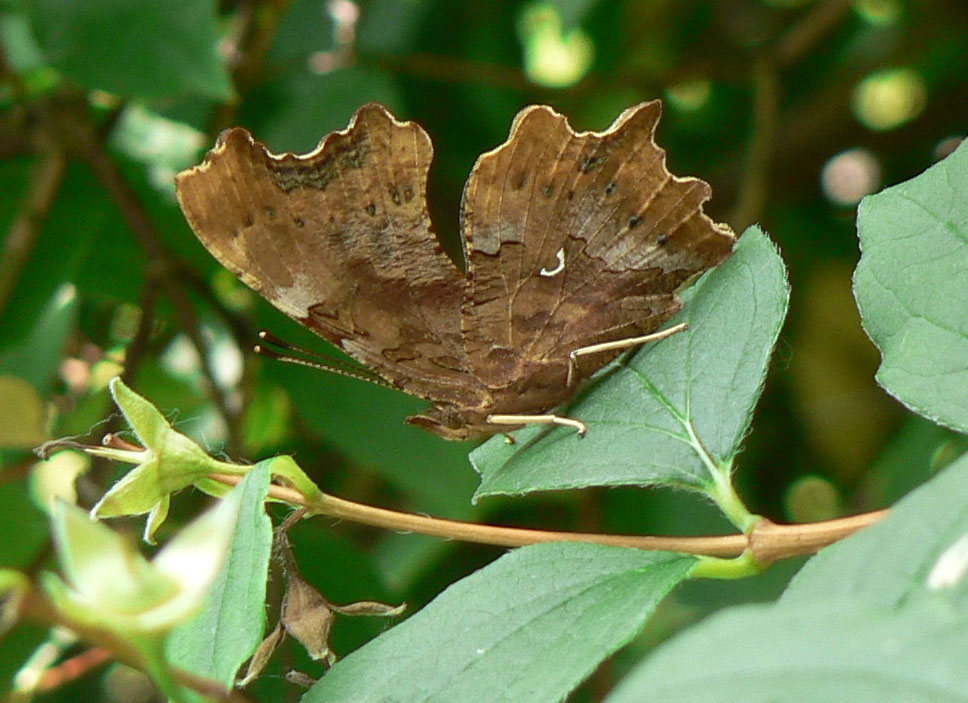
<point>299,222</point>
<point>548,190</point>
<point>371,209</point>
<point>520,180</point>
<point>590,163</point>
<point>270,213</point>
<point>610,187</point>
<point>634,220</point>
<point>662,241</point>
<point>407,194</point>
<point>395,195</point>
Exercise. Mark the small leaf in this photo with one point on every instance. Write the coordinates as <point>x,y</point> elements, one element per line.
<point>226,631</point>
<point>886,562</point>
<point>263,653</point>
<point>306,614</point>
<point>285,468</point>
<point>651,421</point>
<point>308,617</point>
<point>911,287</point>
<point>528,627</point>
<point>146,49</point>
<point>814,653</point>
<point>55,478</point>
<point>21,414</point>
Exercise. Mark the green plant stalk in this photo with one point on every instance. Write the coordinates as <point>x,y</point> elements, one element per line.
<point>743,566</point>
<point>720,487</point>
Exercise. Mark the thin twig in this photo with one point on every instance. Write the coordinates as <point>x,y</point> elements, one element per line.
<point>138,345</point>
<point>44,184</point>
<point>803,37</point>
<point>789,50</point>
<point>771,541</point>
<point>754,181</point>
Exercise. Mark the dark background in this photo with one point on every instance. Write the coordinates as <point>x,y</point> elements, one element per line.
<point>102,102</point>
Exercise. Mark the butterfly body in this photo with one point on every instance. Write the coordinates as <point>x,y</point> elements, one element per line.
<point>570,240</point>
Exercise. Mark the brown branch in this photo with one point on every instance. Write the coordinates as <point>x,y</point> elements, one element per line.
<point>80,136</point>
<point>767,543</point>
<point>138,345</point>
<point>44,184</point>
<point>790,49</point>
<point>817,23</point>
<point>754,181</point>
<point>251,38</point>
<point>770,542</point>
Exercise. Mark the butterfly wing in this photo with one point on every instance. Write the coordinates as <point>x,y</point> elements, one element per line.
<point>341,241</point>
<point>574,239</point>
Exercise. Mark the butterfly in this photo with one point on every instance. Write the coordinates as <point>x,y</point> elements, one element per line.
<point>575,245</point>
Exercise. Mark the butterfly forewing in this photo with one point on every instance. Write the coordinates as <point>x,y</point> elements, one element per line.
<point>340,240</point>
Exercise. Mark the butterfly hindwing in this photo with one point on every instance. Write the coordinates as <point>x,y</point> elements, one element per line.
<point>575,239</point>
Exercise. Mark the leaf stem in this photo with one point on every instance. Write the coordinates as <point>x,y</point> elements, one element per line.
<point>724,495</point>
<point>720,488</point>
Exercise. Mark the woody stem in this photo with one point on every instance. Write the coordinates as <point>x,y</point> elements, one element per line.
<point>777,541</point>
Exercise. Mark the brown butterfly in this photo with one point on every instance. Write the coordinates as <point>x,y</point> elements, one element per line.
<point>575,246</point>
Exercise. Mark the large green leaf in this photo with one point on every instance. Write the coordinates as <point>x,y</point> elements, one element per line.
<point>146,49</point>
<point>528,627</point>
<point>912,288</point>
<point>885,562</point>
<point>880,616</point>
<point>216,641</point>
<point>686,398</point>
<point>823,652</point>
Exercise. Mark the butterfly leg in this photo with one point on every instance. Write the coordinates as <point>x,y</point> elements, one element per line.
<point>618,344</point>
<point>580,426</point>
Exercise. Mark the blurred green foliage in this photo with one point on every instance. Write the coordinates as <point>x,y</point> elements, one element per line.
<point>102,101</point>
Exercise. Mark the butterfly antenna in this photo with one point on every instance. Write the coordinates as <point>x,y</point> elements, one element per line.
<point>315,361</point>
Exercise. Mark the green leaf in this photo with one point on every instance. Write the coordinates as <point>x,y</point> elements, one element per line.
<point>21,517</point>
<point>36,358</point>
<point>824,652</point>
<point>646,419</point>
<point>528,627</point>
<point>912,289</point>
<point>219,638</point>
<point>146,49</point>
<point>21,414</point>
<point>22,52</point>
<point>886,562</point>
